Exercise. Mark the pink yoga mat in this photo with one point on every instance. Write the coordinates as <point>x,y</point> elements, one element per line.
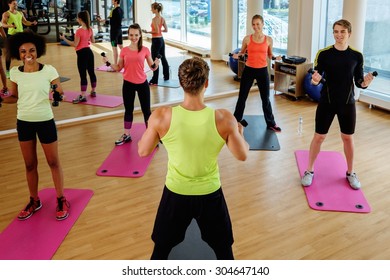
<point>39,237</point>
<point>330,190</point>
<point>100,99</point>
<point>124,161</point>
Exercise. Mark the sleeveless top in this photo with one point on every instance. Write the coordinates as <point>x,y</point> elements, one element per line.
<point>257,53</point>
<point>16,19</point>
<point>159,26</point>
<point>193,144</point>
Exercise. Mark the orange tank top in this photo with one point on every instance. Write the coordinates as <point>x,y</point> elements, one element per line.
<point>159,26</point>
<point>257,53</point>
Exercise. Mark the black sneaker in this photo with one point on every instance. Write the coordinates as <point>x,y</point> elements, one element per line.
<point>274,128</point>
<point>123,139</point>
<point>32,207</point>
<point>79,99</point>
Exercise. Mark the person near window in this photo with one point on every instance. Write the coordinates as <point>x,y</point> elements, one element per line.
<point>342,68</point>
<point>158,44</point>
<point>258,47</point>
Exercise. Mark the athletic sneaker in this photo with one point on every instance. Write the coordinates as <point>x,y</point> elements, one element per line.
<point>274,128</point>
<point>307,178</point>
<point>79,98</point>
<point>32,207</point>
<point>123,139</point>
<point>62,208</point>
<point>353,181</point>
<point>93,93</point>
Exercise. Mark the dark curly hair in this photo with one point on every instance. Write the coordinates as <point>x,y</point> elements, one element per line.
<point>193,74</point>
<point>14,42</point>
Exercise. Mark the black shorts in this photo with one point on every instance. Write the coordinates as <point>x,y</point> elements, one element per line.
<point>46,131</point>
<point>176,212</point>
<point>116,38</point>
<point>346,115</point>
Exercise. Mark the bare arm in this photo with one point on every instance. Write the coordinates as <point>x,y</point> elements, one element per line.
<point>158,126</point>
<point>117,67</point>
<point>153,64</point>
<point>232,132</point>
<point>4,20</point>
<point>243,48</point>
<point>165,26</point>
<point>13,96</point>
<point>92,37</point>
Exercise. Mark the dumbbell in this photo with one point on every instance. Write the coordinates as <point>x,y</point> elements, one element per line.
<point>56,96</point>
<point>375,73</point>
<point>103,54</point>
<point>311,71</point>
<point>244,123</point>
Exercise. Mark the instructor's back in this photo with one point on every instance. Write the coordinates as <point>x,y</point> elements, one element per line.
<point>193,135</point>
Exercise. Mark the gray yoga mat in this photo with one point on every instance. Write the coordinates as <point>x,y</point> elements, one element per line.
<point>169,83</point>
<point>64,79</point>
<point>192,247</point>
<point>258,136</point>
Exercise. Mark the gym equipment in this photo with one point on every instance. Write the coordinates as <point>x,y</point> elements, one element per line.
<point>313,91</point>
<point>258,136</point>
<point>45,232</point>
<point>330,190</point>
<point>293,59</point>
<point>311,71</point>
<point>56,96</point>
<point>192,247</point>
<point>169,84</point>
<point>124,161</point>
<point>233,63</point>
<point>101,100</point>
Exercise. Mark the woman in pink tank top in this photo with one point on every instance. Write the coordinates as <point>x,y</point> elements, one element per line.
<point>258,46</point>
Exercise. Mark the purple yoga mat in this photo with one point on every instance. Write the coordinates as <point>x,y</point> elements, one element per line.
<point>101,100</point>
<point>330,190</point>
<point>39,237</point>
<point>124,161</point>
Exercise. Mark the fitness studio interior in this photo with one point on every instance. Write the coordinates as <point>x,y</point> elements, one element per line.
<point>269,209</point>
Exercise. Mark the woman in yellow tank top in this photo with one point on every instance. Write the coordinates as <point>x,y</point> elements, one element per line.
<point>258,46</point>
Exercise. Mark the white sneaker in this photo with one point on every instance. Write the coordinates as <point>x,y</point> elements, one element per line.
<point>353,181</point>
<point>307,178</point>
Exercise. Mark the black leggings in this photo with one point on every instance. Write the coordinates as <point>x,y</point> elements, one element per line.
<point>248,76</point>
<point>128,93</point>
<point>86,63</point>
<point>158,48</point>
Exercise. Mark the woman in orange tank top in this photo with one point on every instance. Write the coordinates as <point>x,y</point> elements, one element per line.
<point>158,45</point>
<point>258,46</point>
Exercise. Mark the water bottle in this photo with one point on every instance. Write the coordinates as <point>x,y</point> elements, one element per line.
<point>300,126</point>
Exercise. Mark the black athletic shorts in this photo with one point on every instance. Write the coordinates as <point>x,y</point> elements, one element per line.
<point>346,115</point>
<point>176,212</point>
<point>116,38</point>
<point>46,131</point>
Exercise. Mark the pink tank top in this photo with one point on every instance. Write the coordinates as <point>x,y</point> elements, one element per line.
<point>257,53</point>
